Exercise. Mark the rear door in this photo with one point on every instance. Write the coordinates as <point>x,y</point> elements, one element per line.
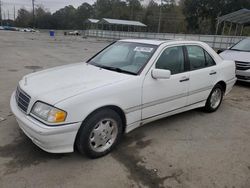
<point>203,74</point>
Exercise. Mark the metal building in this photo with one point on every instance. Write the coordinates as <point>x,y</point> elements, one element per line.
<point>236,20</point>
<point>90,23</point>
<point>116,25</point>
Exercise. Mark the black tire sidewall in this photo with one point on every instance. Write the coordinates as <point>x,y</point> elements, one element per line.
<point>83,144</point>
<point>208,106</point>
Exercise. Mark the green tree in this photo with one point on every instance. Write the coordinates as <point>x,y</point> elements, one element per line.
<point>134,9</point>
<point>24,18</point>
<point>83,12</point>
<point>203,13</point>
<point>65,18</point>
<point>43,18</point>
<point>151,16</point>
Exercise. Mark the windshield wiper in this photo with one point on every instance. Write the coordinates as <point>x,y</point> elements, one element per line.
<point>116,69</point>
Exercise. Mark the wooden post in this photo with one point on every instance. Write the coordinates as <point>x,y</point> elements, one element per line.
<point>217,27</point>
<point>223,29</point>
<point>241,31</point>
<point>229,32</point>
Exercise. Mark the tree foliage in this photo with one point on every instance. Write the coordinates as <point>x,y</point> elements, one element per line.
<point>194,16</point>
<point>201,14</point>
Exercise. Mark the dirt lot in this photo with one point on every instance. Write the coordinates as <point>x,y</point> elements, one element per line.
<point>192,149</point>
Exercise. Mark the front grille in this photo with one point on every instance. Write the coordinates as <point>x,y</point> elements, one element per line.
<point>240,65</point>
<point>243,77</point>
<point>22,99</point>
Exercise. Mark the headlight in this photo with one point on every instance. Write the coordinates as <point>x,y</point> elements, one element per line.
<point>48,113</point>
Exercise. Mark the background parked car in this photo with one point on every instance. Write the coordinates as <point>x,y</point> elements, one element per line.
<point>76,33</point>
<point>240,53</point>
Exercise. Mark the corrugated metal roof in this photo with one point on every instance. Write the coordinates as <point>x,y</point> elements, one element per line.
<point>92,20</point>
<point>241,16</point>
<point>122,22</point>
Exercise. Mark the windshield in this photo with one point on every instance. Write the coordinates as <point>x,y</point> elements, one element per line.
<point>125,57</point>
<point>243,45</point>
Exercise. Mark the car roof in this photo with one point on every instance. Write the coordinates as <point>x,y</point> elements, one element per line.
<point>145,41</point>
<point>159,42</point>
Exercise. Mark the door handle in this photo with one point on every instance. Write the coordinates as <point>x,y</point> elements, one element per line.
<point>184,79</point>
<point>212,72</point>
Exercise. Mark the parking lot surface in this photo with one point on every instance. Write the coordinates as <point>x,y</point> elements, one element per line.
<point>192,149</point>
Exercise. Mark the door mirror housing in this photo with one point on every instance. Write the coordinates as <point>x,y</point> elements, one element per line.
<point>219,51</point>
<point>160,74</point>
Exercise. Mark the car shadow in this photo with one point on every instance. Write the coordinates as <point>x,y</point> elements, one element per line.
<point>243,84</point>
<point>23,153</point>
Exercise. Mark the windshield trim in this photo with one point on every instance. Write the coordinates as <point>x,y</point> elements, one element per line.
<point>123,71</point>
<point>116,69</point>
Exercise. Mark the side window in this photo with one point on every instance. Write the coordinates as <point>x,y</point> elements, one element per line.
<point>209,60</point>
<point>171,59</point>
<point>196,57</point>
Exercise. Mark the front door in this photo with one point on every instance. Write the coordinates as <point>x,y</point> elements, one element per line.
<point>160,96</point>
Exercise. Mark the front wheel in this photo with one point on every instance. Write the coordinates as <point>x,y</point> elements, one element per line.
<point>100,133</point>
<point>214,99</point>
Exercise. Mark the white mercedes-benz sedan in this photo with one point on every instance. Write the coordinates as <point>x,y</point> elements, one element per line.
<point>90,105</point>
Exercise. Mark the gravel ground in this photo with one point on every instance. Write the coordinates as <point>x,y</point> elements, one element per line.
<point>192,149</point>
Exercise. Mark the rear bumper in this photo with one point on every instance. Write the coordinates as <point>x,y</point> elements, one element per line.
<point>230,84</point>
<point>243,75</point>
<point>58,139</point>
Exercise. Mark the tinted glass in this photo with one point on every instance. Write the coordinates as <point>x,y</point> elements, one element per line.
<point>196,57</point>
<point>127,56</point>
<point>171,59</point>
<point>209,60</point>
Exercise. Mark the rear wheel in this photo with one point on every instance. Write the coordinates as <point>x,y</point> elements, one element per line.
<point>100,133</point>
<point>215,98</point>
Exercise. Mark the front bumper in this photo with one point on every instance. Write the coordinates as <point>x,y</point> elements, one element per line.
<point>58,139</point>
<point>243,75</point>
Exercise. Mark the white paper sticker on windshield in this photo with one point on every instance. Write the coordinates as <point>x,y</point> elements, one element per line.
<point>143,49</point>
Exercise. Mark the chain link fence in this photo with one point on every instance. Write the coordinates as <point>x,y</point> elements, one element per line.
<point>215,41</point>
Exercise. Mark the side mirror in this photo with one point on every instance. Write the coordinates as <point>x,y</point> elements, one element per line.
<point>219,51</point>
<point>160,74</point>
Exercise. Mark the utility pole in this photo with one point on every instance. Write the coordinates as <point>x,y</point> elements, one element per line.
<point>33,12</point>
<point>1,20</point>
<point>4,17</point>
<point>8,15</point>
<point>159,23</point>
<point>14,13</point>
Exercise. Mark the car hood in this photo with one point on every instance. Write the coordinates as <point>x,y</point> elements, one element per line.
<point>56,84</point>
<point>235,55</point>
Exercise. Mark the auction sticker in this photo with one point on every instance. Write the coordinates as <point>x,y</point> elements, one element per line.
<point>143,49</point>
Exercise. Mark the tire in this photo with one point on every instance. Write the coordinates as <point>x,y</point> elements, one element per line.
<point>99,133</point>
<point>214,100</point>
